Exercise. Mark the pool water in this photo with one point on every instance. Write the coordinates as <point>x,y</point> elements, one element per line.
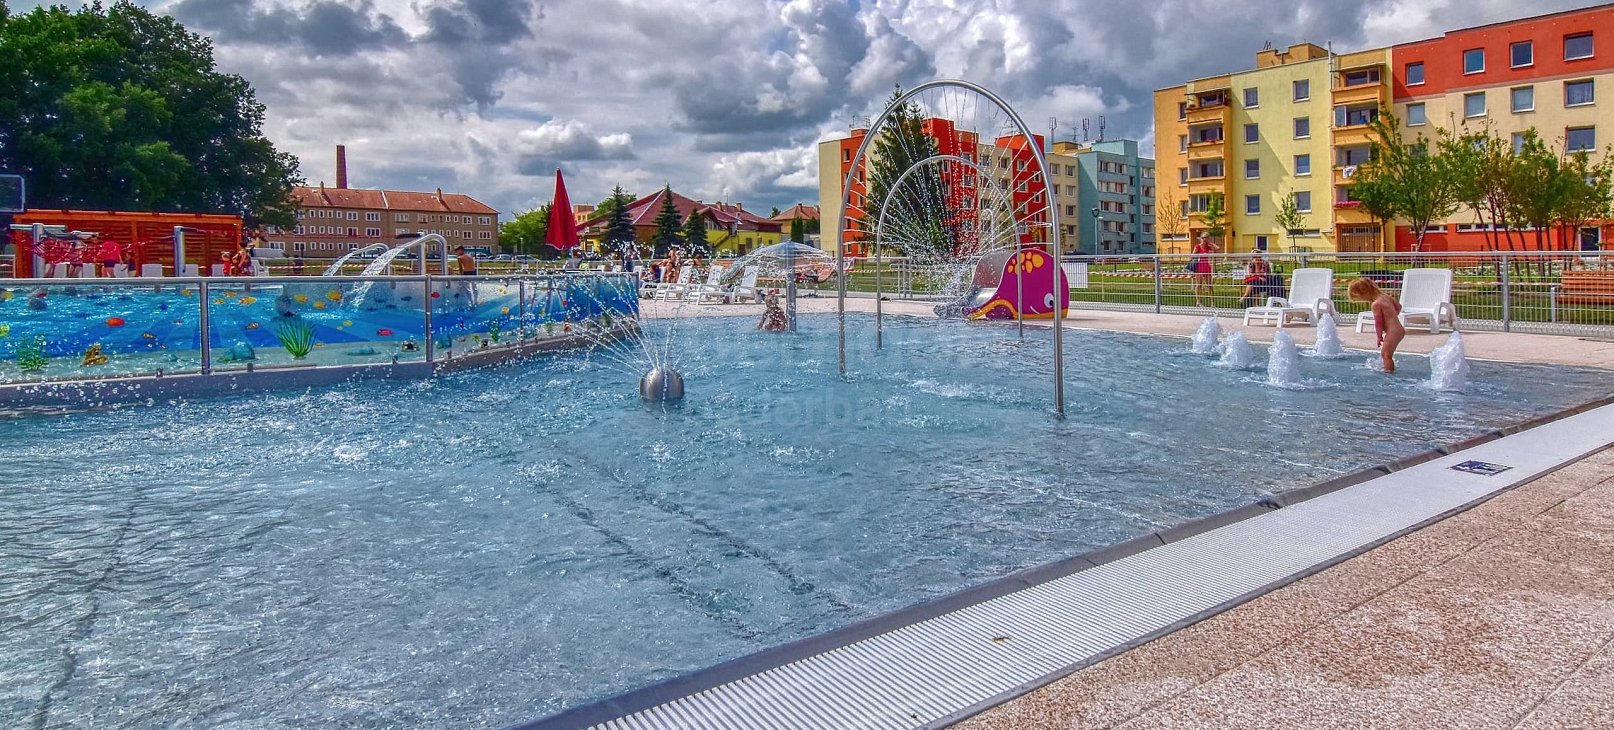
<point>497,545</point>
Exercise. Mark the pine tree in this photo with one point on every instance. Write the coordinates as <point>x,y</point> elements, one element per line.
<point>667,224</point>
<point>618,229</point>
<point>695,233</point>
<point>918,209</point>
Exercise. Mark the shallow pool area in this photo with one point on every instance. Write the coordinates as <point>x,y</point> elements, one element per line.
<point>496,545</point>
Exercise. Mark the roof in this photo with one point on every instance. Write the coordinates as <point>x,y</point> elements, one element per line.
<point>799,210</point>
<point>643,212</point>
<point>439,202</point>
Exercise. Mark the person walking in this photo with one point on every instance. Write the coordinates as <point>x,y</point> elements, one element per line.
<point>1200,267</point>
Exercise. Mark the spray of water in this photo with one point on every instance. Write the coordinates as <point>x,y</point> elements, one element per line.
<point>1448,365</point>
<point>1237,354</point>
<point>1328,342</point>
<point>1206,339</point>
<point>1283,361</point>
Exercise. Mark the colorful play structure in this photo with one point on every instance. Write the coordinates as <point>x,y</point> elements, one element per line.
<point>149,238</point>
<point>1016,284</point>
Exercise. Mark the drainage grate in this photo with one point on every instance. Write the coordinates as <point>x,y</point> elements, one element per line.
<point>944,668</point>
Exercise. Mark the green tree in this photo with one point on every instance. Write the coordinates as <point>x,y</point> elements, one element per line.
<point>1540,185</point>
<point>1215,217</point>
<point>1481,171</point>
<point>119,108</point>
<point>917,210</point>
<point>798,230</point>
<point>618,228</point>
<point>668,224</point>
<point>1289,217</point>
<point>611,201</point>
<point>695,233</point>
<point>1412,181</point>
<point>527,232</point>
<point>1591,192</point>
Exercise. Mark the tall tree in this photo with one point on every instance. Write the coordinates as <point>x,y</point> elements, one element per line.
<point>1168,220</point>
<point>1591,192</point>
<point>1289,217</point>
<point>1540,186</point>
<point>618,228</point>
<point>668,224</point>
<point>610,202</point>
<point>695,233</point>
<point>120,108</point>
<point>526,232</point>
<point>1481,167</point>
<point>798,230</point>
<point>1412,181</point>
<point>1215,217</point>
<point>918,210</point>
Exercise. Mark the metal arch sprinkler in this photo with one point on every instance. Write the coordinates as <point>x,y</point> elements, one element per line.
<point>879,231</point>
<point>1054,249</point>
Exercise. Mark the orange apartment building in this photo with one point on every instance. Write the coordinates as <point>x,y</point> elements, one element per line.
<point>332,221</point>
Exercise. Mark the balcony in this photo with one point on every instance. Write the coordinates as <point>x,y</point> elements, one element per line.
<point>1351,212</point>
<point>1210,113</point>
<point>1376,94</point>
<point>1211,150</point>
<point>1202,185</point>
<point>1356,134</point>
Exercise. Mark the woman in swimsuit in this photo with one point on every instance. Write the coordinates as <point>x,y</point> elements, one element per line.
<point>1386,318</point>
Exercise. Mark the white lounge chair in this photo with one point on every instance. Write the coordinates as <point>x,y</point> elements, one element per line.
<point>62,271</point>
<point>86,271</point>
<point>1425,297</point>
<point>746,289</point>
<point>120,271</point>
<point>669,289</point>
<point>1311,295</point>
<point>713,284</point>
<point>154,270</point>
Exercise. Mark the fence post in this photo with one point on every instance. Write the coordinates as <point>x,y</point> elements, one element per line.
<point>202,321</point>
<point>1158,262</point>
<point>1507,296</point>
<point>431,340</point>
<point>521,316</point>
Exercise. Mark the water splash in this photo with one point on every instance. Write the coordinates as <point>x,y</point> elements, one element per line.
<point>1328,342</point>
<point>1237,353</point>
<point>1448,366</point>
<point>1205,339</point>
<point>1283,361</point>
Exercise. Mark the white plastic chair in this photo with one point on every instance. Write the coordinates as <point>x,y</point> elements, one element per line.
<point>86,271</point>
<point>152,270</point>
<point>1425,297</point>
<point>712,285</point>
<point>1311,295</point>
<point>746,289</point>
<point>670,289</point>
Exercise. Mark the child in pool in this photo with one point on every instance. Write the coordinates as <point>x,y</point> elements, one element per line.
<point>1386,318</point>
<point>773,315</point>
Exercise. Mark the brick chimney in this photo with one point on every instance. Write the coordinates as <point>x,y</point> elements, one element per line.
<point>341,167</point>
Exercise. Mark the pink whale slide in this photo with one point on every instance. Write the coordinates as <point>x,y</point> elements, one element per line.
<point>1033,298</point>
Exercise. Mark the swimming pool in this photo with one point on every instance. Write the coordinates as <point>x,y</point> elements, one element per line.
<point>496,545</point>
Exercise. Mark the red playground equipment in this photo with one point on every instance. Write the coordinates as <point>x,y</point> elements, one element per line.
<point>143,237</point>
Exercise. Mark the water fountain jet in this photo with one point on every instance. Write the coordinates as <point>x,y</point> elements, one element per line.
<point>1448,365</point>
<point>1283,361</point>
<point>1206,338</point>
<point>1237,353</point>
<point>1328,342</point>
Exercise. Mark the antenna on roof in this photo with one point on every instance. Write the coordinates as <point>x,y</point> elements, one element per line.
<point>1101,124</point>
<point>1086,129</point>
<point>1267,47</point>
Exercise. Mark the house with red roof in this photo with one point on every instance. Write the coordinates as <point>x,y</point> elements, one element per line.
<point>332,221</point>
<point>730,228</point>
<point>799,211</point>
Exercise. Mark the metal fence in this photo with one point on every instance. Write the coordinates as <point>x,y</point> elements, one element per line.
<point>1556,292</point>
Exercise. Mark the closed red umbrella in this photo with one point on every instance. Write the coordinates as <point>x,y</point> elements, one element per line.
<point>562,224</point>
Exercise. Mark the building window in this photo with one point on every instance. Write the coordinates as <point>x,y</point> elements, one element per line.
<point>1417,116</point>
<point>1303,201</point>
<point>1302,164</point>
<point>1302,90</point>
<point>1580,139</point>
<point>299,230</point>
<point>372,217</point>
<point>353,232</point>
<point>1302,127</point>
<point>1518,142</point>
<point>1474,105</point>
<point>352,215</point>
<point>420,217</point>
<point>1474,61</point>
<point>1522,54</point>
<point>485,235</point>
<point>465,234</point>
<point>1252,133</point>
<point>1252,169</point>
<point>1523,99</point>
<point>1182,143</point>
<point>1577,46</point>
<point>1252,204</point>
<point>1578,93</point>
<point>297,245</point>
<point>401,217</point>
<point>372,232</point>
<point>1182,110</point>
<point>487,221</point>
<point>1252,98</point>
<point>1182,173</point>
<point>1362,77</point>
<point>1415,74</point>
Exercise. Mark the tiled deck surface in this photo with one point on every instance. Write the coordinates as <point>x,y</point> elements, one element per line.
<point>1502,616</point>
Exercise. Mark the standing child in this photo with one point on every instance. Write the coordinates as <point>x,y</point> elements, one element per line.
<point>1386,318</point>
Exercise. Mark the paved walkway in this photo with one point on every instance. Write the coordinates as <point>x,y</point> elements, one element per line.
<point>1502,616</point>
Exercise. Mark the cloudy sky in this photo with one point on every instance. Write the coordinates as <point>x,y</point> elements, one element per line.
<point>723,99</point>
